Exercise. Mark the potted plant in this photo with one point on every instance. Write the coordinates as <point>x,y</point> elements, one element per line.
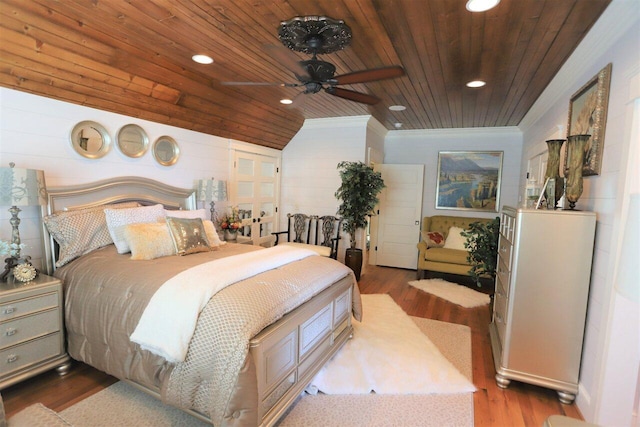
<point>482,243</point>
<point>230,224</point>
<point>359,195</point>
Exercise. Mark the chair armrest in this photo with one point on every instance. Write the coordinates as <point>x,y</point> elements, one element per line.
<point>277,234</point>
<point>422,246</point>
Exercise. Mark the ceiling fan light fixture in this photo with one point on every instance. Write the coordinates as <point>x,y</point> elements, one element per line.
<point>202,59</point>
<point>286,101</point>
<point>481,5</point>
<point>397,108</point>
<point>476,83</point>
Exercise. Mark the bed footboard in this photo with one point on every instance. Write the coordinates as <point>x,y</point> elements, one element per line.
<point>290,352</point>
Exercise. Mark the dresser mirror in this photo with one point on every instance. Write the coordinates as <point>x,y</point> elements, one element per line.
<point>132,140</point>
<point>166,151</point>
<point>90,139</point>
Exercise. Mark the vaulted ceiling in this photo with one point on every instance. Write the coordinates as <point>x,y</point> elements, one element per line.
<point>134,58</point>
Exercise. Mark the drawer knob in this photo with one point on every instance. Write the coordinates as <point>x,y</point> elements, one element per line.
<point>8,310</point>
<point>11,331</point>
<point>12,358</point>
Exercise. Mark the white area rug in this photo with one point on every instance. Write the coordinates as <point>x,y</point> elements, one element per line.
<point>388,355</point>
<point>124,405</point>
<point>452,292</point>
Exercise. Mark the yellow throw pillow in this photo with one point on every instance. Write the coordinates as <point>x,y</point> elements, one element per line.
<point>149,240</point>
<point>188,235</point>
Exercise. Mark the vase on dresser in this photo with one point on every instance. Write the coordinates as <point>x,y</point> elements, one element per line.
<point>553,172</point>
<point>230,234</point>
<point>575,162</point>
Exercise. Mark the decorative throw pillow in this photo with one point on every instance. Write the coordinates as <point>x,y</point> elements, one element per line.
<point>149,240</point>
<point>81,231</point>
<point>188,235</point>
<point>118,219</point>
<point>212,234</point>
<point>455,239</point>
<point>433,239</point>
<point>196,213</point>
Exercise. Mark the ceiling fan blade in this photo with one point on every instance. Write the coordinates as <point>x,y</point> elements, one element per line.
<point>284,56</point>
<point>352,95</point>
<point>369,75</point>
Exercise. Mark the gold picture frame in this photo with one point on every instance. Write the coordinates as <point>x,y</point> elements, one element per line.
<point>588,115</point>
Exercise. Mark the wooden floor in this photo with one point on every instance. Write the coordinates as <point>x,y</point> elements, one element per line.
<point>519,405</point>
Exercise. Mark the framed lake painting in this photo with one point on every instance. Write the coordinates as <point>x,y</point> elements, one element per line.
<point>469,180</point>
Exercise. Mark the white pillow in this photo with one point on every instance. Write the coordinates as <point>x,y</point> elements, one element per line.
<point>198,213</point>
<point>212,234</point>
<point>455,240</point>
<point>118,219</point>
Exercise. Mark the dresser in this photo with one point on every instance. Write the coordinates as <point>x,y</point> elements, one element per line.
<point>540,300</point>
<point>31,329</point>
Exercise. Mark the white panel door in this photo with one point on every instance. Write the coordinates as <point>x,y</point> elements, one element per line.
<point>256,193</point>
<point>397,223</point>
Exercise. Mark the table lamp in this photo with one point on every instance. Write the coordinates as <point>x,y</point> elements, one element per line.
<point>211,191</point>
<point>20,187</point>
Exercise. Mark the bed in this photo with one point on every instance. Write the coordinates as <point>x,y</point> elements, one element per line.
<point>255,345</point>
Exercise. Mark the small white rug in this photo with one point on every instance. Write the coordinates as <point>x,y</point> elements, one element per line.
<point>452,292</point>
<point>388,355</point>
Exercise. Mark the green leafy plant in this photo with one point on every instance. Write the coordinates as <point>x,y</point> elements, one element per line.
<point>482,243</point>
<point>359,195</point>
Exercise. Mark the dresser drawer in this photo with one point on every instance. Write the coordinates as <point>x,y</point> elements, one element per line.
<point>22,355</point>
<point>504,250</point>
<point>503,274</point>
<point>25,328</point>
<point>23,307</point>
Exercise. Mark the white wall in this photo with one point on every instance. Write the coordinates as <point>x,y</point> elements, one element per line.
<point>606,392</point>
<point>422,147</point>
<point>34,133</point>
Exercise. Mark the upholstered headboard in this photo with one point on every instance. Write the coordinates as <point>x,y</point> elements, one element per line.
<point>115,190</point>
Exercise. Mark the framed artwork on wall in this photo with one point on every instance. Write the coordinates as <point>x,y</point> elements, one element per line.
<point>469,180</point>
<point>588,115</point>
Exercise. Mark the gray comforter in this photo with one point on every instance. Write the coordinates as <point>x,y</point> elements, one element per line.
<point>106,293</point>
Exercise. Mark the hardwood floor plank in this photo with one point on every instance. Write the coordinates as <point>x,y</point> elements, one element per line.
<point>519,405</point>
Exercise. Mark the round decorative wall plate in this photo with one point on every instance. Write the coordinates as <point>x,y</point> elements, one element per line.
<point>24,272</point>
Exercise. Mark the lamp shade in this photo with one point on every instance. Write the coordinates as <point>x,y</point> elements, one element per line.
<point>212,190</point>
<point>22,187</point>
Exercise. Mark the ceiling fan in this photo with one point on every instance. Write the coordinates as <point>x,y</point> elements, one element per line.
<point>317,35</point>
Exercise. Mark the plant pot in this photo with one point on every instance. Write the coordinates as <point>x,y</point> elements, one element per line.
<point>353,260</point>
<point>230,234</point>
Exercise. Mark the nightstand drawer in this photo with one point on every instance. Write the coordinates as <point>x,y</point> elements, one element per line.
<point>29,327</point>
<point>22,355</point>
<point>22,307</point>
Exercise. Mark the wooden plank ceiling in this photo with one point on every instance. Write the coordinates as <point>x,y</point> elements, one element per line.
<point>134,58</point>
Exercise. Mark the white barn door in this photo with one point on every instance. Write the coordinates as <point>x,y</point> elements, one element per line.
<point>395,230</point>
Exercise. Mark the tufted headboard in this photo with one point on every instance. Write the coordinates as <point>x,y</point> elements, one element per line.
<point>115,190</point>
<point>442,223</point>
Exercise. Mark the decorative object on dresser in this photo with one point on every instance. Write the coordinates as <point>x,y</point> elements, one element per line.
<point>553,172</point>
<point>211,191</point>
<point>358,194</point>
<point>33,332</point>
<point>231,223</point>
<point>588,115</point>
<point>575,155</point>
<point>469,180</point>
<point>19,187</point>
<point>90,139</point>
<point>541,292</point>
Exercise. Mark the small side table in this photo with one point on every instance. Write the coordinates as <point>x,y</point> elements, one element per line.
<point>32,329</point>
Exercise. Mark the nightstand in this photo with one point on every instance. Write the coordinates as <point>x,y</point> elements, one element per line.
<point>31,329</point>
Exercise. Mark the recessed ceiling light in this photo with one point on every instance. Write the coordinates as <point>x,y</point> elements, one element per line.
<point>481,5</point>
<point>202,59</point>
<point>397,108</point>
<point>286,101</point>
<point>476,83</point>
<point>397,125</point>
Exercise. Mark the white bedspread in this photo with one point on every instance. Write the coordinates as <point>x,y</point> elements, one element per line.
<point>169,320</point>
